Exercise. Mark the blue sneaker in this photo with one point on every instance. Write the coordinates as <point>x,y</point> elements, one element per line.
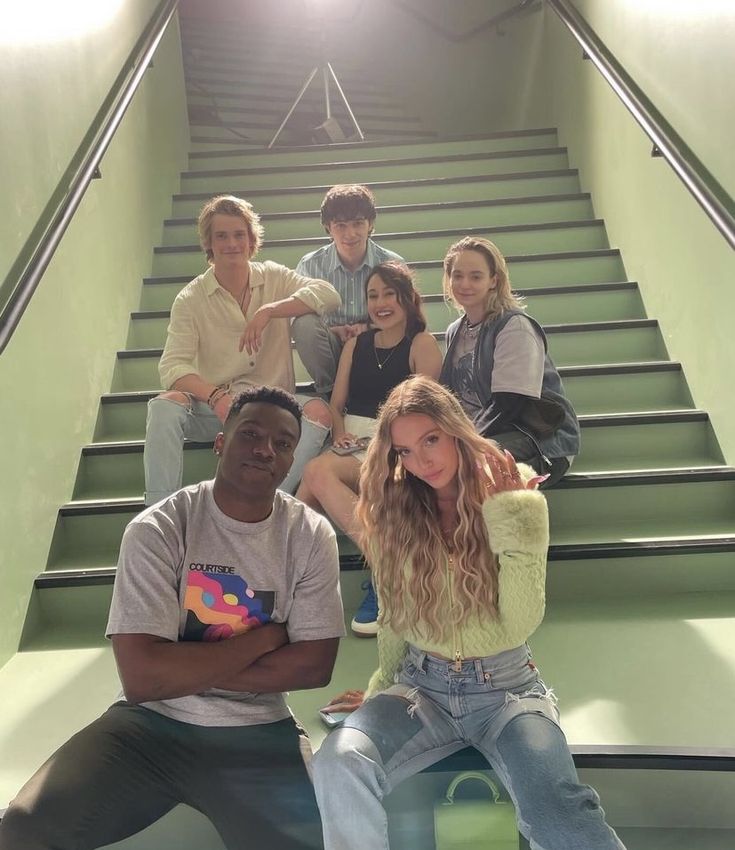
<point>365,621</point>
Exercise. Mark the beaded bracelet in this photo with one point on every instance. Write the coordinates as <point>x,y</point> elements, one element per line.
<point>215,396</point>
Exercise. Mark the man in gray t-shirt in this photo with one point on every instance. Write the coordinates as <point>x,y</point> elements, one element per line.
<point>226,595</point>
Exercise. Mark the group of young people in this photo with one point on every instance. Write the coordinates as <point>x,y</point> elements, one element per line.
<point>227,592</point>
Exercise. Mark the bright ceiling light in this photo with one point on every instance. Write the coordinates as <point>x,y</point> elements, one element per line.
<point>47,21</point>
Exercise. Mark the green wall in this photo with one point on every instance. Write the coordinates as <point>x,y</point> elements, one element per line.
<point>685,63</point>
<point>533,75</point>
<point>62,355</point>
<point>484,83</point>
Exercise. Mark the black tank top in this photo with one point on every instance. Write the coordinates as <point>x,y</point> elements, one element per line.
<point>374,373</point>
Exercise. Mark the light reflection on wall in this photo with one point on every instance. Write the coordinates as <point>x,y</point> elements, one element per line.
<point>48,21</point>
<point>677,9</point>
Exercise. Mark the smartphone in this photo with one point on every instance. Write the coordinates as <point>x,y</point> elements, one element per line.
<point>346,450</point>
<point>359,444</point>
<point>334,719</point>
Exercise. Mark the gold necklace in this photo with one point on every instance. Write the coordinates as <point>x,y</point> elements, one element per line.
<point>392,352</point>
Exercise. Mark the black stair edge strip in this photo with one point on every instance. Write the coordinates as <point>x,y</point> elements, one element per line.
<point>535,292</point>
<point>128,396</point>
<point>266,85</point>
<point>632,368</point>
<point>572,224</point>
<point>284,99</point>
<point>388,114</point>
<point>74,578</point>
<point>387,184</point>
<point>570,327</point>
<point>142,315</point>
<point>102,507</point>
<point>353,562</point>
<point>531,291</point>
<point>691,475</point>
<point>580,327</point>
<point>472,137</point>
<point>611,756</point>
<point>437,297</point>
<point>106,575</point>
<point>203,116</point>
<point>653,417</point>
<point>126,447</point>
<point>590,254</point>
<point>377,163</point>
<point>441,206</point>
<point>375,131</point>
<point>269,70</point>
<point>589,420</point>
<point>571,481</point>
<point>641,549</point>
<point>612,325</point>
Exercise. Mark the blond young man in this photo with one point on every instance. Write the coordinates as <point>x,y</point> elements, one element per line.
<point>230,329</point>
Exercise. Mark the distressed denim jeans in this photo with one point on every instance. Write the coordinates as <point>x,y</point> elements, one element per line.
<point>170,423</point>
<point>497,704</point>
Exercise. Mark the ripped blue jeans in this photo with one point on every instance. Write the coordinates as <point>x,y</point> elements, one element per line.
<point>497,704</point>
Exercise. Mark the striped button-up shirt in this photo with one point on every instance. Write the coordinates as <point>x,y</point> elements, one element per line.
<point>325,264</point>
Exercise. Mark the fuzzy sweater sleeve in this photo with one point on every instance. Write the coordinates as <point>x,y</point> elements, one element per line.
<point>518,526</point>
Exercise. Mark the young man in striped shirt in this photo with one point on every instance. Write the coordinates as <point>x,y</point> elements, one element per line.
<point>348,215</point>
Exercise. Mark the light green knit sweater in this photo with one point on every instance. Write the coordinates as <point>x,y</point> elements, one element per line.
<point>518,528</point>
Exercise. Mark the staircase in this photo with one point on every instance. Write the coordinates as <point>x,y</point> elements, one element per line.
<point>641,583</point>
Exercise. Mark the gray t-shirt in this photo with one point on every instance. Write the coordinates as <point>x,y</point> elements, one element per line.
<point>189,572</point>
<point>518,363</point>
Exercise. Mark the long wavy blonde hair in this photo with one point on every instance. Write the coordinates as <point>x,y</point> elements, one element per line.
<point>398,515</point>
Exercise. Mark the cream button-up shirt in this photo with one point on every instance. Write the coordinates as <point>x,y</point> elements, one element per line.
<point>207,322</point>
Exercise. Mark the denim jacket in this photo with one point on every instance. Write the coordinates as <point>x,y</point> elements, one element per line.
<point>550,420</point>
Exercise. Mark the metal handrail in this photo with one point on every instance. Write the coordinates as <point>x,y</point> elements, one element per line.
<point>708,193</point>
<point>47,234</point>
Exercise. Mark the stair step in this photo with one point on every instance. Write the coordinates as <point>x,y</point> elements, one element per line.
<point>416,217</point>
<point>616,302</point>
<point>569,345</point>
<point>669,506</point>
<point>401,192</point>
<point>624,387</point>
<point>548,237</point>
<point>210,82</point>
<point>628,751</point>
<point>539,138</point>
<point>459,165</point>
<point>115,468</point>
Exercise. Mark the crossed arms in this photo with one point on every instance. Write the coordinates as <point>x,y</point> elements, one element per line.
<point>260,661</point>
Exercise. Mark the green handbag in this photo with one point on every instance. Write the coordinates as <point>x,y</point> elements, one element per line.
<point>475,824</point>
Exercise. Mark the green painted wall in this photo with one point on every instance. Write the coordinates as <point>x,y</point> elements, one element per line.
<point>484,83</point>
<point>681,55</point>
<point>61,357</point>
<point>533,75</point>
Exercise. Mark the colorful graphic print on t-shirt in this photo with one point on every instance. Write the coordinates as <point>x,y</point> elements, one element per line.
<point>219,606</point>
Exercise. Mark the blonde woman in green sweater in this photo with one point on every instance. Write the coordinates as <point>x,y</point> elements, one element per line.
<point>457,538</point>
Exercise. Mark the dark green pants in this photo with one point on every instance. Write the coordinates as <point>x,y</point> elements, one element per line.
<point>132,765</point>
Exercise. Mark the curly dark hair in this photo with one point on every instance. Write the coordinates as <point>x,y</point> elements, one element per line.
<point>269,395</point>
<point>346,202</point>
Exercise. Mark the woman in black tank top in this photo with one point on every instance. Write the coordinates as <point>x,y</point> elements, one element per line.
<point>371,365</point>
